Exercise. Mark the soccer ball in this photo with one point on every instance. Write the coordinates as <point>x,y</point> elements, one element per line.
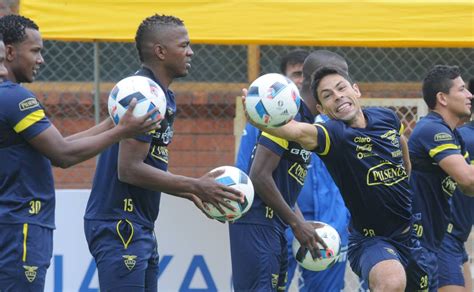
<point>236,179</point>
<point>149,95</point>
<point>272,100</point>
<point>329,256</point>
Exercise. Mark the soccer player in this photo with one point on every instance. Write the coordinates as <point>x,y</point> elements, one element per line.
<point>130,176</point>
<point>29,144</point>
<point>257,240</point>
<point>320,198</point>
<point>363,152</point>
<point>438,157</point>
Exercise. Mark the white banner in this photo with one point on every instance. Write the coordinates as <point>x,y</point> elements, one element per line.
<point>194,251</point>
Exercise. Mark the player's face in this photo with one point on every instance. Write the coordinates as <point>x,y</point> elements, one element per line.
<point>295,73</point>
<point>3,69</point>
<point>339,99</point>
<point>178,52</point>
<point>458,100</point>
<point>24,59</point>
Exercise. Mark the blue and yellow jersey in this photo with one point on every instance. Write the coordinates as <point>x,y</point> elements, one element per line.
<point>26,179</point>
<point>367,166</point>
<point>462,206</point>
<point>112,199</point>
<point>289,175</point>
<point>431,141</point>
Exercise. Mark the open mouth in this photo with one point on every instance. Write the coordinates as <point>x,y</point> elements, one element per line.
<point>343,107</point>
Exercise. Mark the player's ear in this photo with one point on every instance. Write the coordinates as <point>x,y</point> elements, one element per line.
<point>356,89</point>
<point>320,108</point>
<point>10,52</point>
<point>159,50</point>
<point>441,98</point>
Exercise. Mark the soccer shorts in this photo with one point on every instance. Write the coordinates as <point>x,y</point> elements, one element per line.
<point>365,252</point>
<point>125,253</point>
<point>451,257</point>
<point>25,255</point>
<point>259,257</point>
<point>330,280</point>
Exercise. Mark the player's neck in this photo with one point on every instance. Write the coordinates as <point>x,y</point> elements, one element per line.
<point>449,118</point>
<point>358,121</point>
<point>161,74</point>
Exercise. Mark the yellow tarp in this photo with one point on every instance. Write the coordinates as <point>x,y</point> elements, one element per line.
<point>402,23</point>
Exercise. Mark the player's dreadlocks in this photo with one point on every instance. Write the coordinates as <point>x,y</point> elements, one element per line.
<point>13,27</point>
<point>150,24</point>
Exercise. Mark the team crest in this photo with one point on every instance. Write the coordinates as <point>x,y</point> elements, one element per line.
<point>30,273</point>
<point>274,280</point>
<point>129,261</point>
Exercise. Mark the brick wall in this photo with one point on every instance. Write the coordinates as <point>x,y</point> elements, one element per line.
<point>204,130</point>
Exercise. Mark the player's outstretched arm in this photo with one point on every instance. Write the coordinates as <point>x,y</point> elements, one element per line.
<point>103,126</point>
<point>265,162</point>
<point>133,170</point>
<point>462,173</point>
<point>64,153</point>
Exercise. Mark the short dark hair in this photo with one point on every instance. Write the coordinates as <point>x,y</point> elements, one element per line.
<point>323,72</point>
<point>13,28</point>
<point>292,58</point>
<point>149,25</point>
<point>439,79</point>
<point>470,86</point>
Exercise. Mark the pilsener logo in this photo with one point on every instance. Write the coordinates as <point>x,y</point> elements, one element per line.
<point>386,174</point>
<point>28,103</point>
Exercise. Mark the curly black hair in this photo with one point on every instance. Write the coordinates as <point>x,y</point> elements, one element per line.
<point>148,25</point>
<point>13,28</point>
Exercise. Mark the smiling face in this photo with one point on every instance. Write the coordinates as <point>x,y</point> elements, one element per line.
<point>24,58</point>
<point>339,98</point>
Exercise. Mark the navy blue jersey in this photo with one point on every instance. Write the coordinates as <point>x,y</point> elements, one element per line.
<point>288,176</point>
<point>26,179</point>
<point>112,199</point>
<point>462,206</point>
<point>431,141</point>
<point>367,166</point>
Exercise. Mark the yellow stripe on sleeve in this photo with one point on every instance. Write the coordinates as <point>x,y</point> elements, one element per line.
<point>402,129</point>
<point>25,236</point>
<point>280,141</point>
<point>441,148</point>
<point>328,142</point>
<point>29,120</point>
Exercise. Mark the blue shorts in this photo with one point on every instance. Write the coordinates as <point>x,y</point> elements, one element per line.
<point>25,255</point>
<point>330,280</point>
<point>365,252</point>
<point>451,257</point>
<point>125,253</point>
<point>259,257</point>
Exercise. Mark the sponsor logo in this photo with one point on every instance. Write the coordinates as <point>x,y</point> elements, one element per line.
<point>397,153</point>
<point>390,251</point>
<point>448,185</point>
<point>274,280</point>
<point>364,147</point>
<point>129,261</point>
<point>160,152</point>
<point>298,172</point>
<point>30,273</point>
<point>305,154</point>
<point>28,103</point>
<point>443,137</point>
<point>386,173</point>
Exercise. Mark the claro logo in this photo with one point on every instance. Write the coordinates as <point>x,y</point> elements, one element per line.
<point>386,174</point>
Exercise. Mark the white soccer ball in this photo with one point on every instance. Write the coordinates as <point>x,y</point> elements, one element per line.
<point>329,256</point>
<point>272,100</point>
<point>148,93</point>
<point>236,179</point>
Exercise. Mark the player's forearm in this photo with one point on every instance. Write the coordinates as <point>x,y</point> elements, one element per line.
<point>271,196</point>
<point>146,176</point>
<point>103,126</point>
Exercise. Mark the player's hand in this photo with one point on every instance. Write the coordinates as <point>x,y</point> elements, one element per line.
<point>308,238</point>
<point>132,126</point>
<point>217,194</point>
<point>199,204</point>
